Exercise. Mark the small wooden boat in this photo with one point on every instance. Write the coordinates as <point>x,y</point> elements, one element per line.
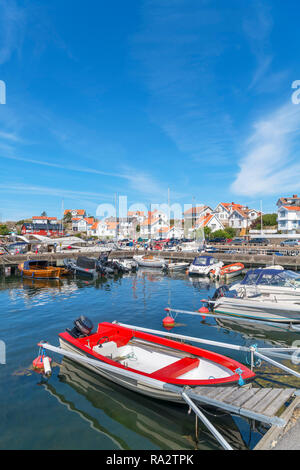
<point>40,269</point>
<point>228,271</point>
<point>149,356</point>
<point>149,261</point>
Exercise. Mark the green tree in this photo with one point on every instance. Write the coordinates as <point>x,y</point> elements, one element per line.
<point>67,219</point>
<point>207,232</point>
<point>44,214</point>
<point>4,230</point>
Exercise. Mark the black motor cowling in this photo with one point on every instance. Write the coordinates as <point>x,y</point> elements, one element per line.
<point>83,327</point>
<point>220,292</point>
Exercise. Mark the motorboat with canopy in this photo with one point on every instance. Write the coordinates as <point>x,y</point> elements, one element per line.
<point>249,302</point>
<point>203,265</point>
<point>273,280</point>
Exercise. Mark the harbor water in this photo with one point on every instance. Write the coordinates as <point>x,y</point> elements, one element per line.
<point>75,409</point>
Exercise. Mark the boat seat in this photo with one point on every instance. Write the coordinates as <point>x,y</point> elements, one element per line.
<point>176,369</point>
<point>108,349</point>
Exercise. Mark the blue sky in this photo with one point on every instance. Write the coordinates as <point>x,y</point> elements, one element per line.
<point>141,96</point>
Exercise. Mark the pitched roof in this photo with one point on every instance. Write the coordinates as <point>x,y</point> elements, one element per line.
<point>203,221</point>
<point>292,208</point>
<point>79,211</point>
<point>196,210</point>
<point>89,220</point>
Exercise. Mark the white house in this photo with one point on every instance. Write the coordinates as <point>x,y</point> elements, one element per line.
<point>150,227</point>
<point>288,218</point>
<point>242,218</point>
<point>171,232</point>
<point>209,220</point>
<point>82,224</point>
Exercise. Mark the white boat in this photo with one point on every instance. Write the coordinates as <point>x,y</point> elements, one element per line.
<point>228,272</point>
<point>180,266</point>
<point>249,302</point>
<point>203,265</point>
<point>189,247</point>
<point>127,264</point>
<point>150,261</point>
<point>144,362</point>
<point>272,280</point>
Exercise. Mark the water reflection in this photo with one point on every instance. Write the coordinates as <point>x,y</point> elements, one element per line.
<point>167,426</point>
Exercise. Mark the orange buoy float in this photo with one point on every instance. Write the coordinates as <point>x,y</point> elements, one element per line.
<point>203,310</point>
<point>168,322</point>
<point>38,362</point>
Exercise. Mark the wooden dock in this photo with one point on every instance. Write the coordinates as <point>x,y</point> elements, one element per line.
<point>261,404</point>
<point>253,260</point>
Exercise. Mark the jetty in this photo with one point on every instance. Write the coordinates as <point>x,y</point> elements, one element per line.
<point>256,257</point>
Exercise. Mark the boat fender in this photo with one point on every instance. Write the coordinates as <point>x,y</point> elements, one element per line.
<point>38,362</point>
<point>47,366</point>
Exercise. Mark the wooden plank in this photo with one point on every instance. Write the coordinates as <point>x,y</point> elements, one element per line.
<point>235,395</point>
<point>213,392</point>
<point>267,400</point>
<point>259,395</point>
<point>225,392</point>
<point>277,403</point>
<point>249,393</point>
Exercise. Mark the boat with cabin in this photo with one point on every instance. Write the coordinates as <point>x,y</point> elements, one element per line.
<point>204,265</point>
<point>272,280</point>
<point>249,302</point>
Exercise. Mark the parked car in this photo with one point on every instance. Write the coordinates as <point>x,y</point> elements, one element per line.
<point>218,240</point>
<point>259,241</point>
<point>238,241</point>
<point>290,243</point>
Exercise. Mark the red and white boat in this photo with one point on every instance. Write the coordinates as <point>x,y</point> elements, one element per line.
<point>228,271</point>
<point>144,362</point>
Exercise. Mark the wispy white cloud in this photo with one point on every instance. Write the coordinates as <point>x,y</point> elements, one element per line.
<point>271,164</point>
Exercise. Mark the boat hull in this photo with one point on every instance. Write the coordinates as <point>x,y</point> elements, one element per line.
<point>46,273</point>
<point>130,384</point>
<point>264,311</point>
<point>145,363</point>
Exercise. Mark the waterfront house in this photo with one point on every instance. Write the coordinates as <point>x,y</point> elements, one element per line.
<point>80,224</point>
<point>43,225</point>
<point>242,218</point>
<point>288,218</point>
<point>76,213</point>
<point>209,220</point>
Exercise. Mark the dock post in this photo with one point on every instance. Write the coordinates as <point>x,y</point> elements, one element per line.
<point>207,423</point>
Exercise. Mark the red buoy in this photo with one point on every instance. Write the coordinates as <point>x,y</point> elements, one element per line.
<point>168,322</point>
<point>37,363</point>
<point>203,310</point>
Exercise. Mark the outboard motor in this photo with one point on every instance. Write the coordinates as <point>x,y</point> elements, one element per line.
<point>83,327</point>
<point>220,292</point>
